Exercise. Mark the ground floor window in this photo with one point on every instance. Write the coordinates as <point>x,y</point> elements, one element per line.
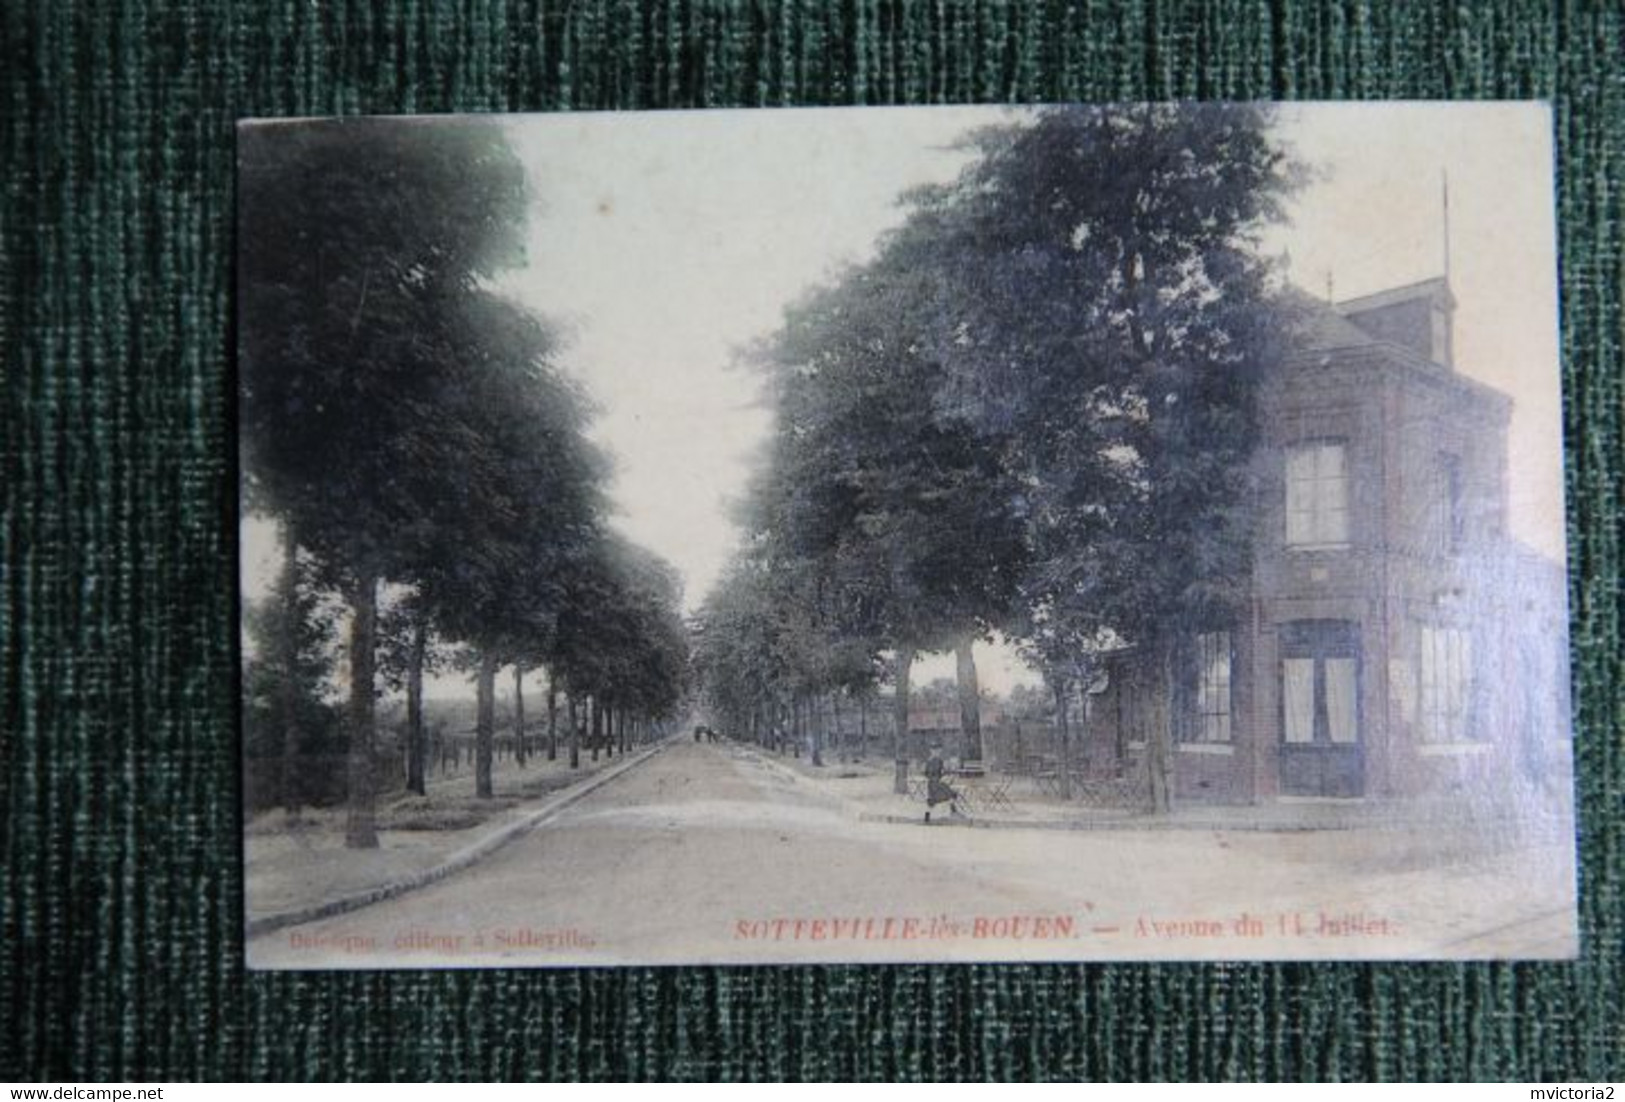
<point>1446,685</point>
<point>1212,711</point>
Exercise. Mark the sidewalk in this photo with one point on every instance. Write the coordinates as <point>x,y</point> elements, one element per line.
<point>304,872</point>
<point>864,789</point>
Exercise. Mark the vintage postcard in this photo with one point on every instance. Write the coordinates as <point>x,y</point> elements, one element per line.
<point>955,534</point>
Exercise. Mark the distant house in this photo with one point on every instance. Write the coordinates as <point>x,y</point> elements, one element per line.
<point>1396,640</point>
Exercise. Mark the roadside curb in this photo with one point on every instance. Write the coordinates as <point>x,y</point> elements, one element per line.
<point>1126,823</point>
<point>469,855</point>
<point>1147,822</point>
<point>862,814</point>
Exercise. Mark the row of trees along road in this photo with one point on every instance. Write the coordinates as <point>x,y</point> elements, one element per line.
<point>1030,413</point>
<point>421,453</point>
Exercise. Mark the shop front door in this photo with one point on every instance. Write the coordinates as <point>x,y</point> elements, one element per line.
<point>1322,747</point>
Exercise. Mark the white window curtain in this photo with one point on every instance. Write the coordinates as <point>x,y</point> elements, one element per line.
<point>1298,698</point>
<point>1340,702</point>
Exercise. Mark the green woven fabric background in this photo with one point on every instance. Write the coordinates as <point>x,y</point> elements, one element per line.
<point>119,949</point>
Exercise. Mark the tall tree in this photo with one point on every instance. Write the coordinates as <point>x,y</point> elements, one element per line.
<point>361,241</point>
<point>1113,318</point>
<point>408,652</point>
<point>520,749</point>
<point>902,504</point>
<point>531,488</point>
<point>1034,408</point>
<point>629,645</point>
<point>288,675</point>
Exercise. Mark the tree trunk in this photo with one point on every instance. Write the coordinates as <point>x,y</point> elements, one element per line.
<point>837,739</point>
<point>485,725</point>
<point>519,748</point>
<point>899,735</point>
<point>552,718</point>
<point>361,827</point>
<point>417,749</point>
<point>609,730</point>
<point>597,714</point>
<point>970,702</point>
<point>288,690</point>
<point>1062,721</point>
<point>863,725</point>
<point>575,733</point>
<point>620,733</point>
<point>1159,746</point>
<point>817,734</point>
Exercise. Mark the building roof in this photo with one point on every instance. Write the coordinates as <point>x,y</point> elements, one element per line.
<point>1436,289</point>
<point>1320,328</point>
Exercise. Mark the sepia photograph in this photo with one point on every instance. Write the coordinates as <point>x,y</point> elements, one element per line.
<point>863,535</point>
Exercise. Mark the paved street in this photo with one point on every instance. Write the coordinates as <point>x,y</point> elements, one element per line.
<point>713,853</point>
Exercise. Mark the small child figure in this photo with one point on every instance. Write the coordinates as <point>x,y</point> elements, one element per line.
<point>937,790</point>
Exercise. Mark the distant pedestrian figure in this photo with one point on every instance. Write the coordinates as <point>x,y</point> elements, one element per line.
<point>937,790</point>
<point>699,731</point>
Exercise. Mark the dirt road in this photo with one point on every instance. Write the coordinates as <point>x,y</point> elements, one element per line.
<point>709,853</point>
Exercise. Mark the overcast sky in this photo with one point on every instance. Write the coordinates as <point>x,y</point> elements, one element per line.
<point>663,242</point>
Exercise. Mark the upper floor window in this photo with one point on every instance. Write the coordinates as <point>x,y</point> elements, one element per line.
<point>1317,495</point>
<point>1448,522</point>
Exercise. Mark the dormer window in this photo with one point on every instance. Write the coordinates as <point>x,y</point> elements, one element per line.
<point>1317,495</point>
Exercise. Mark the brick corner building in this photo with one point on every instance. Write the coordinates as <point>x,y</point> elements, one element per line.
<point>1396,641</point>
